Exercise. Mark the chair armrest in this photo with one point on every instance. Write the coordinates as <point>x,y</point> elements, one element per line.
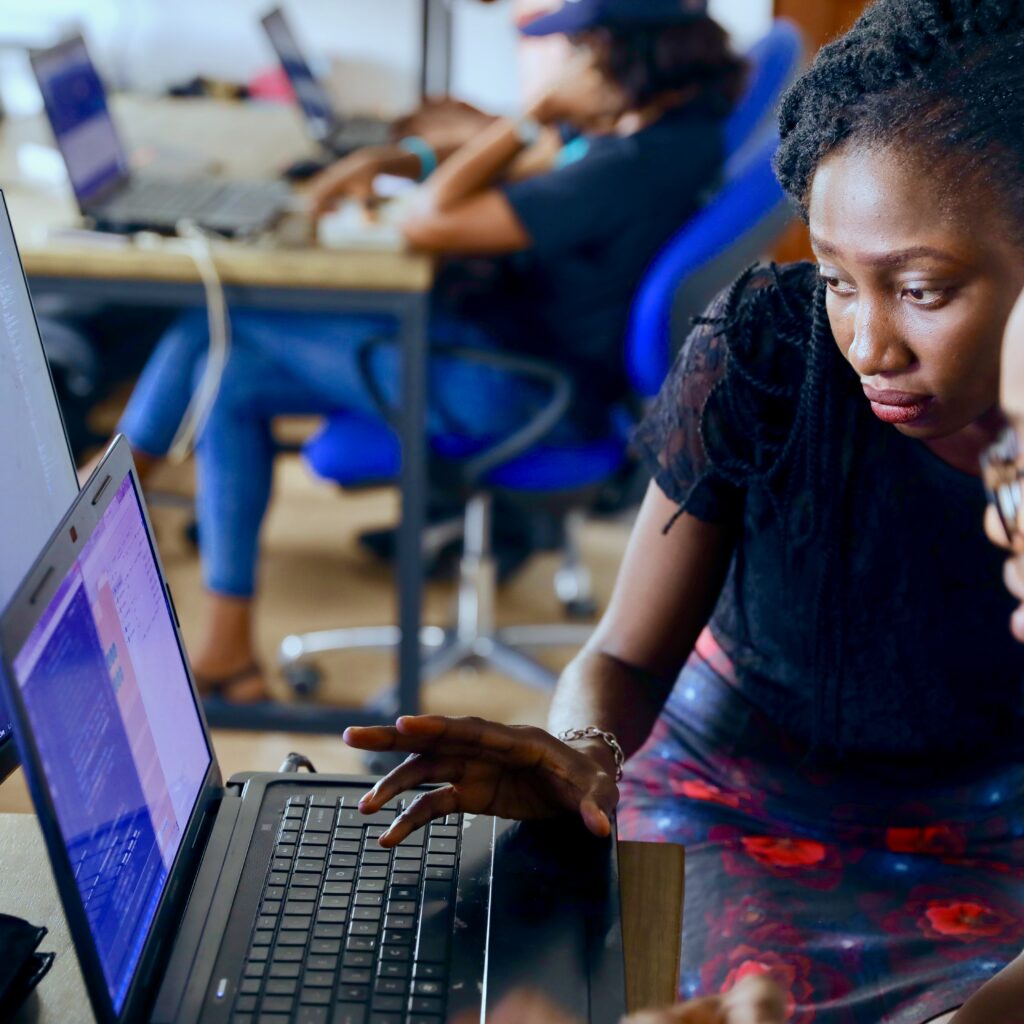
<point>562,391</point>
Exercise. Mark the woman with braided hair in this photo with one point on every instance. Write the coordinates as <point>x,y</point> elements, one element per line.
<point>806,653</point>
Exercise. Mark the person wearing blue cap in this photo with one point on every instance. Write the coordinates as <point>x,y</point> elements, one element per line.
<point>557,242</point>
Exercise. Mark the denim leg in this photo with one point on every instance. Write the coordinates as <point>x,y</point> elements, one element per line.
<point>164,389</point>
<point>235,462</point>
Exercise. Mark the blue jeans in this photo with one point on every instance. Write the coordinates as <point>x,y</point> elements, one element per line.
<point>295,364</point>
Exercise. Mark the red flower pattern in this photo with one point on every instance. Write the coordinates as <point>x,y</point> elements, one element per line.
<point>695,789</point>
<point>941,839</point>
<point>965,920</point>
<point>784,853</point>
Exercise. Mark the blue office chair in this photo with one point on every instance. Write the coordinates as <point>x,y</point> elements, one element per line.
<point>775,61</point>
<point>354,450</point>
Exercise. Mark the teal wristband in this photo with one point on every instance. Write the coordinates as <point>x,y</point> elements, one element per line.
<point>421,148</point>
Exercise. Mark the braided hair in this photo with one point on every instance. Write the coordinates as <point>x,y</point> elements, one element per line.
<point>942,81</point>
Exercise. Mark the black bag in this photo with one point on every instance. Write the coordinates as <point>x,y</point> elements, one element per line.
<point>21,967</point>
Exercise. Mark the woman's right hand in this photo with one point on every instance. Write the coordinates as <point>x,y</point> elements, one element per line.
<point>515,772</point>
<point>349,178</point>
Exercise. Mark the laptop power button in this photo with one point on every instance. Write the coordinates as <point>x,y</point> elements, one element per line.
<point>222,988</point>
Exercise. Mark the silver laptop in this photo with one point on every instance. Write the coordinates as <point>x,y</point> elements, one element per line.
<point>337,133</point>
<point>36,463</point>
<point>266,900</point>
<point>107,191</point>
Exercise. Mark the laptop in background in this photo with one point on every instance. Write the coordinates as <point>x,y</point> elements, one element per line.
<point>36,463</point>
<point>327,126</point>
<point>107,191</point>
<point>266,900</point>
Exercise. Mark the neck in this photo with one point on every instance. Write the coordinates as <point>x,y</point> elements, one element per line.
<point>963,449</point>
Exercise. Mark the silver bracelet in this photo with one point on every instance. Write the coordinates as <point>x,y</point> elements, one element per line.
<point>591,732</point>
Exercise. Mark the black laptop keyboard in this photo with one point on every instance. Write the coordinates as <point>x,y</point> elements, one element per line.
<point>348,933</point>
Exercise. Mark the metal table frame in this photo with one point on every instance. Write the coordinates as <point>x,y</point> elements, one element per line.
<point>410,310</point>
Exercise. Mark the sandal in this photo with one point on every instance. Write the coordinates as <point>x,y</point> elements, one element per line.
<point>216,690</point>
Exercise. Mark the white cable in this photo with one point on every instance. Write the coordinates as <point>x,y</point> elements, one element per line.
<point>197,246</point>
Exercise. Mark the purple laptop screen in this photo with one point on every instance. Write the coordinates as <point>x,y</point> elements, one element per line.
<point>122,747</point>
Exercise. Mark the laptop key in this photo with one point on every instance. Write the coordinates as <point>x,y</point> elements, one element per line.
<point>325,947</point>
<point>399,921</point>
<point>358,960</point>
<point>343,860</point>
<point>323,800</point>
<point>391,986</point>
<point>274,892</point>
<point>442,845</point>
<point>293,938</point>
<point>423,987</point>
<point>337,888</point>
<point>334,902</point>
<point>312,1015</point>
<point>440,860</point>
<point>319,819</point>
<point>437,971</point>
<point>361,913</point>
<point>339,874</point>
<point>279,877</point>
<point>349,1013</point>
<point>282,986</point>
<point>395,953</point>
<point>391,1003</point>
<point>444,832</point>
<point>315,996</point>
<point>318,979</point>
<point>393,970</point>
<point>246,1004</point>
<point>277,1004</point>
<point>397,937</point>
<point>266,921</point>
<point>373,871</point>
<point>356,976</point>
<point>263,937</point>
<point>440,874</point>
<point>279,970</point>
<point>288,954</point>
<point>376,857</point>
<point>255,969</point>
<point>401,906</point>
<point>405,892</point>
<point>281,864</point>
<point>435,922</point>
<point>353,993</point>
<point>310,865</point>
<point>386,1018</point>
<point>360,943</point>
<point>321,962</point>
<point>406,878</point>
<point>329,931</point>
<point>422,1004</point>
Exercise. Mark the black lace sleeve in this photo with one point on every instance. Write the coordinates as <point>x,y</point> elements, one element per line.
<point>725,416</point>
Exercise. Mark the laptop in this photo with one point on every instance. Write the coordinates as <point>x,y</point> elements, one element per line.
<point>107,191</point>
<point>36,462</point>
<point>338,134</point>
<point>266,900</point>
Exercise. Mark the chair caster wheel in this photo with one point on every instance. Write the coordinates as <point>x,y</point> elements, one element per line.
<point>579,610</point>
<point>380,762</point>
<point>303,679</point>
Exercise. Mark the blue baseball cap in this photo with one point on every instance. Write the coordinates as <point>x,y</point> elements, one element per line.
<point>580,15</point>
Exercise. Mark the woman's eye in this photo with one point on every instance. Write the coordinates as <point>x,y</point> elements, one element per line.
<point>837,285</point>
<point>924,296</point>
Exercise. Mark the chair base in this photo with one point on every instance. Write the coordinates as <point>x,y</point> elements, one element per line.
<point>473,640</point>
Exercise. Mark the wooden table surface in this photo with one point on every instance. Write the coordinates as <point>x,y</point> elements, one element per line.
<point>651,889</point>
<point>236,140</point>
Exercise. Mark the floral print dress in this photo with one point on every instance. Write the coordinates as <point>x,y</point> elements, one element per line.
<point>841,756</point>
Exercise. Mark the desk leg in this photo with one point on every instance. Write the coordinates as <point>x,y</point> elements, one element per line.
<point>414,483</point>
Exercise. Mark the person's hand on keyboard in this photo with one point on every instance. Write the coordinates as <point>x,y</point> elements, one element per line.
<point>516,772</point>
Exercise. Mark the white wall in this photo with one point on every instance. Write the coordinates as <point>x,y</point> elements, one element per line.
<point>148,44</point>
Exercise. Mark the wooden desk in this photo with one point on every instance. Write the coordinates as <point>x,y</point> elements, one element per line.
<point>247,140</point>
<point>652,879</point>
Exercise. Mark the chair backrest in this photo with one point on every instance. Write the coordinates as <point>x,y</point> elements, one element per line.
<point>775,61</point>
<point>732,231</point>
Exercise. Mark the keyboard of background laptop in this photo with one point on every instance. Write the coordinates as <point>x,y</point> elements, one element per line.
<point>348,933</point>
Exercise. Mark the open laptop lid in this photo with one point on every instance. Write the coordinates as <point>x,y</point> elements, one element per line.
<point>36,463</point>
<point>312,97</point>
<point>111,735</point>
<point>76,105</point>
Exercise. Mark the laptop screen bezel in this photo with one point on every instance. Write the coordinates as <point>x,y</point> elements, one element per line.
<point>316,126</point>
<point>8,749</point>
<point>28,605</point>
<point>56,52</point>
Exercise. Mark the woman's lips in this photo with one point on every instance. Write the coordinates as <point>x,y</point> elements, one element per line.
<point>897,406</point>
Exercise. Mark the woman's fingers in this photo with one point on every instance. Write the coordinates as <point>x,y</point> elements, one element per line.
<point>426,807</point>
<point>594,817</point>
<point>416,770</point>
<point>756,1000</point>
<point>522,746</point>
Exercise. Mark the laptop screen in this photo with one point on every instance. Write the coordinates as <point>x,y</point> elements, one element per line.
<point>35,459</point>
<point>314,101</point>
<point>76,104</point>
<point>119,737</point>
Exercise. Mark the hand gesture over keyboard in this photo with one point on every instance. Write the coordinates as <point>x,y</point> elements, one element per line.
<point>516,772</point>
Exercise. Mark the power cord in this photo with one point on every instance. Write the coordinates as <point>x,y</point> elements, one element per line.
<point>194,242</point>
<point>293,762</point>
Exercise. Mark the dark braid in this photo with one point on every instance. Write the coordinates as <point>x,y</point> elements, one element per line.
<point>942,80</point>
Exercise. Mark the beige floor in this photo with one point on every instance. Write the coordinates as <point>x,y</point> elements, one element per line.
<point>314,576</point>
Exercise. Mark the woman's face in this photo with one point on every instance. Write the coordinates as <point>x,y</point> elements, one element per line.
<point>919,287</point>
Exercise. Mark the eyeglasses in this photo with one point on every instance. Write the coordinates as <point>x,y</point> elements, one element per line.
<point>1002,474</point>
